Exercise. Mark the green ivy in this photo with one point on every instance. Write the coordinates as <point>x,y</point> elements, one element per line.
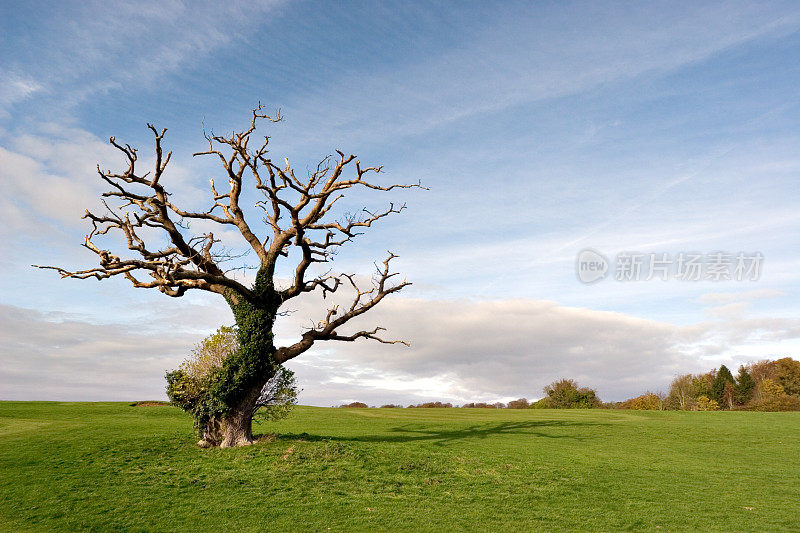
<point>248,366</point>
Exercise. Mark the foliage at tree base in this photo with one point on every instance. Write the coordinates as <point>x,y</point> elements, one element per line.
<point>197,384</point>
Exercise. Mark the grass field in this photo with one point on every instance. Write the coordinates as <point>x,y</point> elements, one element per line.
<point>70,466</point>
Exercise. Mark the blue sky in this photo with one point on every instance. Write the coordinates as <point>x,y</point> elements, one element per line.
<point>541,129</point>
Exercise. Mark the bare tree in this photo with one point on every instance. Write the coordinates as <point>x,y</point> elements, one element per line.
<point>298,216</point>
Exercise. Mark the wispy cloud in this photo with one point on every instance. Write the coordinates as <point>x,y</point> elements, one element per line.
<point>89,48</point>
<point>523,57</point>
<point>13,89</point>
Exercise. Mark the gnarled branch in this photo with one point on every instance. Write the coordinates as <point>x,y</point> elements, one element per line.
<point>363,301</point>
<point>298,213</point>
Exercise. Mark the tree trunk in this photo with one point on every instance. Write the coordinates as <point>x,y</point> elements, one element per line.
<point>234,428</point>
<point>248,369</point>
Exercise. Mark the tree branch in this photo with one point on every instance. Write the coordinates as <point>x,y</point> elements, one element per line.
<point>298,211</point>
<point>183,264</point>
<point>363,301</point>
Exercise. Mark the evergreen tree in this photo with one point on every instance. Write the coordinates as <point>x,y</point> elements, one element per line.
<point>718,385</point>
<point>745,385</point>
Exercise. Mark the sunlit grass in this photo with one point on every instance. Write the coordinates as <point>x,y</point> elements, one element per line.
<point>70,466</point>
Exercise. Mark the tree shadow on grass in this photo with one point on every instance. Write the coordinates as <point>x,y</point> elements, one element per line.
<point>413,433</point>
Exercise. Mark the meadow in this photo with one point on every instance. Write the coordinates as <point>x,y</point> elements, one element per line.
<point>101,466</point>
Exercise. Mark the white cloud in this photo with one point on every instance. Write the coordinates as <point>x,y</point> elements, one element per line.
<point>464,350</point>
<point>57,358</point>
<point>461,351</point>
<point>50,177</point>
<point>742,296</point>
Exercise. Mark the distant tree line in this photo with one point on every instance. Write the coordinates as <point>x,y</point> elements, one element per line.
<point>763,386</point>
<point>522,403</point>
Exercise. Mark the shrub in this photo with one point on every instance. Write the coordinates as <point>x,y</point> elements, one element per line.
<point>565,394</point>
<point>430,405</point>
<point>704,403</point>
<point>390,406</point>
<point>190,383</point>
<point>783,402</point>
<point>357,405</point>
<point>278,396</point>
<point>544,403</point>
<point>522,403</point>
<point>482,405</point>
<point>648,401</point>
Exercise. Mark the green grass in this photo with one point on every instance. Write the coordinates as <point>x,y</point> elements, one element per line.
<point>101,466</point>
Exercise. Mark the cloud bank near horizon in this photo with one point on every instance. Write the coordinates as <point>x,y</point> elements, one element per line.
<point>461,351</point>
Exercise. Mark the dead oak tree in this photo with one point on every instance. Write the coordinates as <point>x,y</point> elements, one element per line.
<point>300,227</point>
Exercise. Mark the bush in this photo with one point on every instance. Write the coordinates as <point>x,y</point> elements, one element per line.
<point>783,402</point>
<point>648,401</point>
<point>430,405</point>
<point>522,403</point>
<point>189,385</point>
<point>391,406</point>
<point>704,403</point>
<point>565,394</point>
<point>482,405</point>
<point>544,403</point>
<point>278,396</point>
<point>356,405</point>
